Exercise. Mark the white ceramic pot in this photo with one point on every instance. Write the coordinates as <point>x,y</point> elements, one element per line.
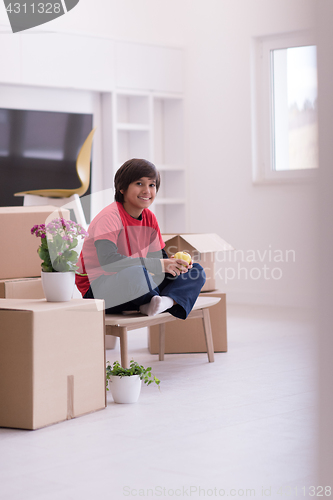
<point>125,389</point>
<point>58,287</point>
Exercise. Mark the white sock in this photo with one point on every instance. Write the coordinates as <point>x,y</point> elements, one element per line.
<point>157,305</point>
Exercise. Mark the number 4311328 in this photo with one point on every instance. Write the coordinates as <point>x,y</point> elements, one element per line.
<point>306,491</point>
<point>40,8</point>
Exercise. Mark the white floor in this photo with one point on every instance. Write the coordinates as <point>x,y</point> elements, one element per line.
<point>243,426</point>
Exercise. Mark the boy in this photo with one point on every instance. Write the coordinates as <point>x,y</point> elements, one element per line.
<point>123,260</point>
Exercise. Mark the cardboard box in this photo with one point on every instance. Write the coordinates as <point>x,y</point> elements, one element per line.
<point>18,249</point>
<point>188,336</point>
<point>31,288</point>
<point>52,361</point>
<point>202,248</point>
<point>21,288</point>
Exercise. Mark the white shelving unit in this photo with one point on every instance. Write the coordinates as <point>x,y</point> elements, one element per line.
<point>168,149</point>
<point>137,101</point>
<point>149,125</point>
<point>132,126</point>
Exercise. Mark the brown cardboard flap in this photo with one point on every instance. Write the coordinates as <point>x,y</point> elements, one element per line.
<point>202,248</point>
<point>203,243</point>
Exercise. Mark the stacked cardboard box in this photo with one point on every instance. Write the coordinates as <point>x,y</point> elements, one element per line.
<point>18,267</point>
<point>52,361</point>
<point>188,336</point>
<point>21,288</point>
<point>52,354</point>
<point>18,249</point>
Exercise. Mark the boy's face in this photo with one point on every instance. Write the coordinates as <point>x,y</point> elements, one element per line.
<point>139,195</point>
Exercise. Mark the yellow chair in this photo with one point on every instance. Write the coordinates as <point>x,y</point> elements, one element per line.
<point>66,198</point>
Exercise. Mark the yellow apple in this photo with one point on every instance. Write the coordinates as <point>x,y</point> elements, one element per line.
<point>184,256</point>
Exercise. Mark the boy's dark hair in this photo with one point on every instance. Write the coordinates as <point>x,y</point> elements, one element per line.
<point>131,171</point>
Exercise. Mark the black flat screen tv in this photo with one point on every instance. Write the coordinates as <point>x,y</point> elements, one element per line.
<point>38,150</point>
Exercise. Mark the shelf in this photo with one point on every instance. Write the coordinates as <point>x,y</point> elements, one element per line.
<point>171,217</point>
<point>133,127</point>
<point>133,110</point>
<point>132,144</point>
<point>168,132</point>
<point>151,126</point>
<point>169,201</point>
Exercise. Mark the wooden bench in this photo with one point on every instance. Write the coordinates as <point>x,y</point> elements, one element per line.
<point>119,325</point>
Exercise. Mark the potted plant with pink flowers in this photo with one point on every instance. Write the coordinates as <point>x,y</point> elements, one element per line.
<point>58,251</point>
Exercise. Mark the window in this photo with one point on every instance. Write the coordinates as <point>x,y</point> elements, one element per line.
<point>285,127</point>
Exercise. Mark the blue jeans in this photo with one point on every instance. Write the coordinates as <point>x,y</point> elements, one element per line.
<point>132,287</point>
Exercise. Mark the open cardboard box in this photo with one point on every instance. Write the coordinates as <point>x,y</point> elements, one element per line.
<point>52,361</point>
<point>202,248</point>
<point>18,249</point>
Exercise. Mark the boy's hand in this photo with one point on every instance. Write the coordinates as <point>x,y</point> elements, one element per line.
<point>175,266</point>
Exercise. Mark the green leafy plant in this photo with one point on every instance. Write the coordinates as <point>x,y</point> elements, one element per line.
<point>59,238</point>
<point>135,369</point>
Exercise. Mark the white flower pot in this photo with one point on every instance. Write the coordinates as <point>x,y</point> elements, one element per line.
<point>125,389</point>
<point>58,287</point>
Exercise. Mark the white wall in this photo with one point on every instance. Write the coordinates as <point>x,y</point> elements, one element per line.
<point>217,35</point>
<point>152,21</point>
<point>222,196</point>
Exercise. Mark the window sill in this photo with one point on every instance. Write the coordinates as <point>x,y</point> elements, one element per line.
<point>286,177</point>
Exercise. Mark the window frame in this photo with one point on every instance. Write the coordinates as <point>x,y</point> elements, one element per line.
<point>263,112</point>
